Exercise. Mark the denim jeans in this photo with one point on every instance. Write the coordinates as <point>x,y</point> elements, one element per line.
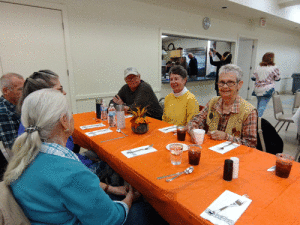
<point>262,104</point>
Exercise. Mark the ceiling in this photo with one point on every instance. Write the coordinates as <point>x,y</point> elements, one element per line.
<point>193,6</point>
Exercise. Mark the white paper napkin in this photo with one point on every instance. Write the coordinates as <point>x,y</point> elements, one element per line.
<point>168,129</point>
<point>217,148</point>
<point>98,132</point>
<point>128,116</point>
<point>92,126</point>
<point>273,168</point>
<point>141,152</point>
<point>229,215</point>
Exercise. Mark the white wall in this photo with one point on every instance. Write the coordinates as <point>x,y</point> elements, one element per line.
<point>108,36</point>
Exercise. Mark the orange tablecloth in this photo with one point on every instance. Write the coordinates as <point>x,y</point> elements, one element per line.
<point>184,199</point>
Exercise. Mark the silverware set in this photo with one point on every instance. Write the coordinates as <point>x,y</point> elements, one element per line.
<point>141,149</point>
<point>223,147</point>
<point>186,171</point>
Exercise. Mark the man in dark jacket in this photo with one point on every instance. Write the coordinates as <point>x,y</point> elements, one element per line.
<point>137,93</point>
<point>193,65</point>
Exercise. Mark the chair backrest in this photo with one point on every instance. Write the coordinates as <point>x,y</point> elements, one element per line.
<point>161,102</point>
<point>296,101</point>
<point>10,211</point>
<point>277,104</point>
<point>268,140</point>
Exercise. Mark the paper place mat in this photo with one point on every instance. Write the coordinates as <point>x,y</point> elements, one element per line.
<point>168,129</point>
<point>92,126</point>
<point>142,152</point>
<point>229,215</point>
<point>128,116</point>
<point>98,132</point>
<point>217,148</point>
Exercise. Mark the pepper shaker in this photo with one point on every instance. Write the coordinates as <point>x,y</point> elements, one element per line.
<point>228,169</point>
<point>98,107</point>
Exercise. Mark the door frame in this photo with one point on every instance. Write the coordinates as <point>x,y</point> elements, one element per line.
<point>253,60</point>
<point>63,9</point>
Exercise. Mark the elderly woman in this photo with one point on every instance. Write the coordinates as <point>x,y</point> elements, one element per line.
<point>181,105</point>
<point>48,79</point>
<point>47,179</point>
<point>265,76</point>
<point>228,117</point>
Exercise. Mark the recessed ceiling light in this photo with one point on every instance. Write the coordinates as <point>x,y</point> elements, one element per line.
<point>224,7</point>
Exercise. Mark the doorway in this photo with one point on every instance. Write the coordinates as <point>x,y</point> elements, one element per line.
<point>32,38</point>
<point>246,60</point>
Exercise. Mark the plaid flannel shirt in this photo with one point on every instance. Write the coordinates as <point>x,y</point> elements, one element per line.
<point>9,123</point>
<point>249,126</point>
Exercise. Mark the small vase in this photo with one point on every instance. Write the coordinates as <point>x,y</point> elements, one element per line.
<point>140,129</point>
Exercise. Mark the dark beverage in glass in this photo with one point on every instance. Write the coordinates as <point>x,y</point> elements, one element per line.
<point>181,132</point>
<point>194,158</point>
<point>283,165</point>
<point>283,170</point>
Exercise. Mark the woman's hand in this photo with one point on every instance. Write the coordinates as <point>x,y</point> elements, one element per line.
<point>121,190</point>
<point>118,100</point>
<point>217,135</point>
<point>210,54</point>
<point>135,193</point>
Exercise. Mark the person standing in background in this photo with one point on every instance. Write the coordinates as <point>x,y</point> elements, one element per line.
<point>225,59</point>
<point>265,76</point>
<point>193,65</point>
<point>183,62</point>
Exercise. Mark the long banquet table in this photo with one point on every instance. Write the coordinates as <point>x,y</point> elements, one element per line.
<point>274,200</point>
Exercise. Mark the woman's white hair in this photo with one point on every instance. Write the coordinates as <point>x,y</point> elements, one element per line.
<point>42,109</point>
<point>231,68</point>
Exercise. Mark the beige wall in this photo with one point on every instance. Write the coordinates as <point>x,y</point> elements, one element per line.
<point>105,37</point>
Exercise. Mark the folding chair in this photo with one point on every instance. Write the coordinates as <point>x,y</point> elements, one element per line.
<point>278,109</point>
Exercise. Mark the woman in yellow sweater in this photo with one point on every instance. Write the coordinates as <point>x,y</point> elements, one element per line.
<point>180,105</point>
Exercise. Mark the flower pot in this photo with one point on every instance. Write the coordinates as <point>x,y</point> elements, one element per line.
<point>140,129</point>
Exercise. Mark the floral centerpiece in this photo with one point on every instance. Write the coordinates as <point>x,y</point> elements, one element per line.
<point>139,121</point>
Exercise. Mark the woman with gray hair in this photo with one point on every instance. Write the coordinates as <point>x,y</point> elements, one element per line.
<point>228,117</point>
<point>181,105</point>
<point>47,179</point>
<point>48,79</point>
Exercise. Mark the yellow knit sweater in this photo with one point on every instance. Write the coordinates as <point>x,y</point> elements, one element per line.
<point>180,110</point>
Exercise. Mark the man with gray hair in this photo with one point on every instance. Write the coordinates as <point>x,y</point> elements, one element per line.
<point>138,93</point>
<point>11,85</point>
<point>228,117</point>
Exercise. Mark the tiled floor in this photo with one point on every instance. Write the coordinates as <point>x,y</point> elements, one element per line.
<point>288,137</point>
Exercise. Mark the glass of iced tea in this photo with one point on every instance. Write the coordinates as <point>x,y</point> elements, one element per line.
<point>194,154</point>
<point>181,132</point>
<point>284,164</point>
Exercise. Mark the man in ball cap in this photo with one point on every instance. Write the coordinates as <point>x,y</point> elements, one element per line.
<point>138,93</point>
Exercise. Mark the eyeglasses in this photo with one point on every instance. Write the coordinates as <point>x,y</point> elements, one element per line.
<point>128,79</point>
<point>229,83</point>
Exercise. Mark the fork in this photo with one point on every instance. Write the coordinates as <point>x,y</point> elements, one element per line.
<point>132,152</point>
<point>236,203</point>
<point>222,148</point>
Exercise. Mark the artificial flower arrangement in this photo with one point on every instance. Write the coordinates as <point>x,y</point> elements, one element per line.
<point>139,117</point>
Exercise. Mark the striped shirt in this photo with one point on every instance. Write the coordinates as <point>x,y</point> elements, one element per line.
<point>249,126</point>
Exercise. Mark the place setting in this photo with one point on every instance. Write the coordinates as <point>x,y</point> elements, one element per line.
<point>139,151</point>
<point>227,208</point>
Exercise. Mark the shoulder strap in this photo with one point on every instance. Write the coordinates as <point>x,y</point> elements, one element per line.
<point>260,133</point>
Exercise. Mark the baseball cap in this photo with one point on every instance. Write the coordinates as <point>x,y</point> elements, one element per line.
<point>129,71</point>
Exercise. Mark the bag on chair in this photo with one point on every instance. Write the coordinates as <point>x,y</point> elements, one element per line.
<point>268,140</point>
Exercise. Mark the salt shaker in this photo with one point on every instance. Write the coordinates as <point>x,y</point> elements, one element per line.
<point>235,173</point>
<point>228,169</point>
